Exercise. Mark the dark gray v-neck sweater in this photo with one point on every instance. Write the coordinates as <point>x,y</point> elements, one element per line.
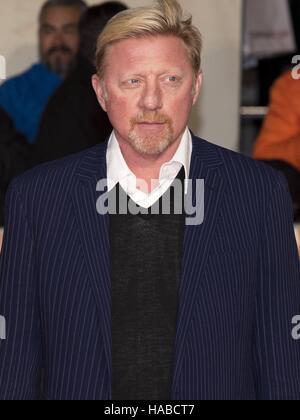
<point>146,254</point>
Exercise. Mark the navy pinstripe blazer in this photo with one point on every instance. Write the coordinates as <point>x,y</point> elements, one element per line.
<point>239,291</point>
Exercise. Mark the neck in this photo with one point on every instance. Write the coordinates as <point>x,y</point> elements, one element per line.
<point>145,167</point>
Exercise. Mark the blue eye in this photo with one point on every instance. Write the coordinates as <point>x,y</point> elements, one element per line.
<point>133,81</point>
<point>172,79</point>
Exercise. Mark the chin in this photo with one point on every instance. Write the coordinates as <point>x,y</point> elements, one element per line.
<point>150,146</point>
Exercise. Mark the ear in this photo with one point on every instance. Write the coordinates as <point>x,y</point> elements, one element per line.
<point>99,89</point>
<point>198,84</point>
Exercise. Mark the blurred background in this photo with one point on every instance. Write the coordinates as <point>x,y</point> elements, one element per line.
<point>220,23</point>
<point>248,104</point>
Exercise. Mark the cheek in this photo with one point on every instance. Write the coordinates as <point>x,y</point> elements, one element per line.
<point>73,41</point>
<point>180,107</point>
<point>120,111</point>
<point>46,42</point>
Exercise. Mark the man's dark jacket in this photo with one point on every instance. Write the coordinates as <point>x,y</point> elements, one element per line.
<point>15,156</point>
<point>239,291</point>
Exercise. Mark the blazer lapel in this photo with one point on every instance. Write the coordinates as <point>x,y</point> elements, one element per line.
<point>205,165</point>
<point>94,233</point>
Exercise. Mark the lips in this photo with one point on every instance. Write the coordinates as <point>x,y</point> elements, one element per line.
<point>151,122</point>
<point>151,126</point>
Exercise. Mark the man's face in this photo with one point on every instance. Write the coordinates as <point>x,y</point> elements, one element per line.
<point>148,90</point>
<point>59,38</point>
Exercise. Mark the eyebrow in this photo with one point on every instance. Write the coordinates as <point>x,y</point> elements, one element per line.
<point>47,26</point>
<point>168,71</point>
<point>70,26</point>
<point>66,26</point>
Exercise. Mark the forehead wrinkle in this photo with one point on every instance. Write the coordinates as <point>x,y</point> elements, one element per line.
<point>140,52</point>
<point>143,56</point>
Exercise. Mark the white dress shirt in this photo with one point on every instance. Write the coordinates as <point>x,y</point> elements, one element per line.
<point>118,171</point>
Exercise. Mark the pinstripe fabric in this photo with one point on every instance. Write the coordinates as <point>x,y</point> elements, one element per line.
<point>240,285</point>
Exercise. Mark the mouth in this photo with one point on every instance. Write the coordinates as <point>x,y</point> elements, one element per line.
<point>151,126</point>
<point>59,52</point>
<point>151,123</point>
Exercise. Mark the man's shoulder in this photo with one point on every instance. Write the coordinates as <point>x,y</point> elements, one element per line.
<point>22,81</point>
<point>242,172</point>
<point>287,81</point>
<point>60,173</point>
<point>19,78</point>
<point>286,90</point>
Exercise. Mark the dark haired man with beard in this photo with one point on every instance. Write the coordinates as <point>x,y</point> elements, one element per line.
<point>24,97</point>
<point>73,120</point>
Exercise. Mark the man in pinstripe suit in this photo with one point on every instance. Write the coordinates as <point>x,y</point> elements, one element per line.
<point>91,300</point>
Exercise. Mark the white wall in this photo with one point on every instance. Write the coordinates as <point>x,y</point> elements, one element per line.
<point>216,116</point>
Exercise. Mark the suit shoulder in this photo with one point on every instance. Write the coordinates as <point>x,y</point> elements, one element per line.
<point>56,174</point>
<point>243,171</point>
<point>16,81</point>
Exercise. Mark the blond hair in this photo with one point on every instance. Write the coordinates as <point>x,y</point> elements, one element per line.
<point>166,17</point>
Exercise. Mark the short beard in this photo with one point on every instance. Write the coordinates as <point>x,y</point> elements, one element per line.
<point>151,145</point>
<point>60,67</point>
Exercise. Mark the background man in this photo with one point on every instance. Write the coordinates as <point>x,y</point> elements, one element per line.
<point>24,97</point>
<point>73,120</point>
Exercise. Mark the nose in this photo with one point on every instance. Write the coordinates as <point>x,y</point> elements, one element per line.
<point>151,97</point>
<point>58,38</point>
